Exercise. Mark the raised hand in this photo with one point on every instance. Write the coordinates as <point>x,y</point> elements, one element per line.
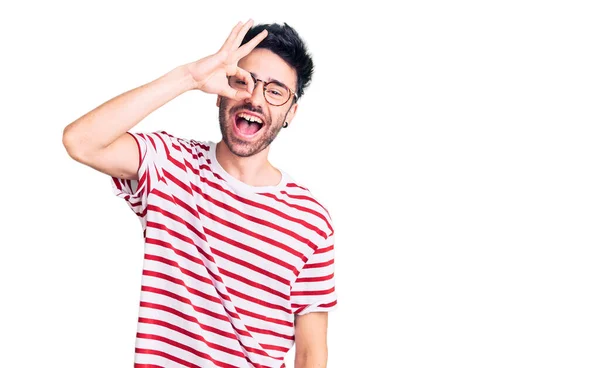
<point>211,72</point>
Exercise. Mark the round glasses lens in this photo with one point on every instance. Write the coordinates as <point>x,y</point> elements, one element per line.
<point>238,83</point>
<point>276,94</point>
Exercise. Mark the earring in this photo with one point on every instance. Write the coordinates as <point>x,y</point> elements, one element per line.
<point>285,125</point>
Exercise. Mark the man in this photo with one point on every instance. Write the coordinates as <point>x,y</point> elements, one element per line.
<point>238,256</point>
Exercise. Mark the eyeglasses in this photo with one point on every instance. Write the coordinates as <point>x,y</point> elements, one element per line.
<point>275,93</point>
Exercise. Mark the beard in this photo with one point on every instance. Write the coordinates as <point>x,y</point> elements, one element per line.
<point>241,147</point>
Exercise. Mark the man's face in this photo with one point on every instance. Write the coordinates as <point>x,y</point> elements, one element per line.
<point>248,126</point>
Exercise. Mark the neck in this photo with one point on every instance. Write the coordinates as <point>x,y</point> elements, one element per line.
<point>255,170</point>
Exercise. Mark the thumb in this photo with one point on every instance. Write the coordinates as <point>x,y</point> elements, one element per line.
<point>244,88</point>
<point>235,94</point>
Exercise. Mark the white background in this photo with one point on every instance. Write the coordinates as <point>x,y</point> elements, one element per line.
<point>456,145</point>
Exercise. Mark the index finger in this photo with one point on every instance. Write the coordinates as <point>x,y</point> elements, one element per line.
<point>250,45</point>
<point>241,34</point>
<point>232,36</point>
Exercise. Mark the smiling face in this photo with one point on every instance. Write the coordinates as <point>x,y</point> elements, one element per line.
<point>249,126</point>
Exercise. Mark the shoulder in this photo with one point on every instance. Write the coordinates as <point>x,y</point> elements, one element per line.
<point>304,200</point>
<point>161,140</point>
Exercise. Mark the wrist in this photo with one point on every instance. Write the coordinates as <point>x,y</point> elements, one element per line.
<point>184,78</point>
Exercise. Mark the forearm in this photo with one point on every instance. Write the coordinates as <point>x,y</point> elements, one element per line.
<point>100,127</point>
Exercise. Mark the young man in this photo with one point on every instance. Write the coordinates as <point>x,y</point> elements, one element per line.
<point>238,257</point>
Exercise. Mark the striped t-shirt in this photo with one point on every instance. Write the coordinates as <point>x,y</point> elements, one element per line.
<point>226,265</point>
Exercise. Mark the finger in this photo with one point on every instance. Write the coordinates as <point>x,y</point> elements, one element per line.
<point>232,36</point>
<point>250,45</point>
<point>241,34</point>
<point>243,74</point>
<point>235,94</point>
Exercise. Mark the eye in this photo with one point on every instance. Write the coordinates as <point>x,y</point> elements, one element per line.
<point>240,82</point>
<point>275,92</point>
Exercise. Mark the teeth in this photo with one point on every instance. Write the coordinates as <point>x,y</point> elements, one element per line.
<point>250,118</point>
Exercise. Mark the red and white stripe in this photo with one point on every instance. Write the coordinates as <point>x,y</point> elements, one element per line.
<point>227,265</point>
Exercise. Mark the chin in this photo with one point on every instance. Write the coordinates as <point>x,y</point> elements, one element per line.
<point>240,149</point>
<point>242,146</point>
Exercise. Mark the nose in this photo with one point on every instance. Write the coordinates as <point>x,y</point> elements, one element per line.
<point>257,98</point>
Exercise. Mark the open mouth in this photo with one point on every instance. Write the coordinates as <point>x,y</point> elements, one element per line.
<point>248,125</point>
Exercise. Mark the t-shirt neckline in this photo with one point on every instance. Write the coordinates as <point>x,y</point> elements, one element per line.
<point>238,184</point>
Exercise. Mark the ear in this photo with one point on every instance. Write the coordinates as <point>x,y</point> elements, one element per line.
<point>218,101</point>
<point>291,113</point>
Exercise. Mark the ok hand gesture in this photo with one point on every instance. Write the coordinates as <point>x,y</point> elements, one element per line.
<point>211,73</point>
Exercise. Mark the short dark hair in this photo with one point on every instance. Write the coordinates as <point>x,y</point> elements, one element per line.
<point>284,41</point>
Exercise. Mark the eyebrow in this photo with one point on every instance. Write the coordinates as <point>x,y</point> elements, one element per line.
<point>281,84</point>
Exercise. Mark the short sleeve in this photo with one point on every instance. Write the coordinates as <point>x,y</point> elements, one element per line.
<point>314,289</point>
<point>153,152</point>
